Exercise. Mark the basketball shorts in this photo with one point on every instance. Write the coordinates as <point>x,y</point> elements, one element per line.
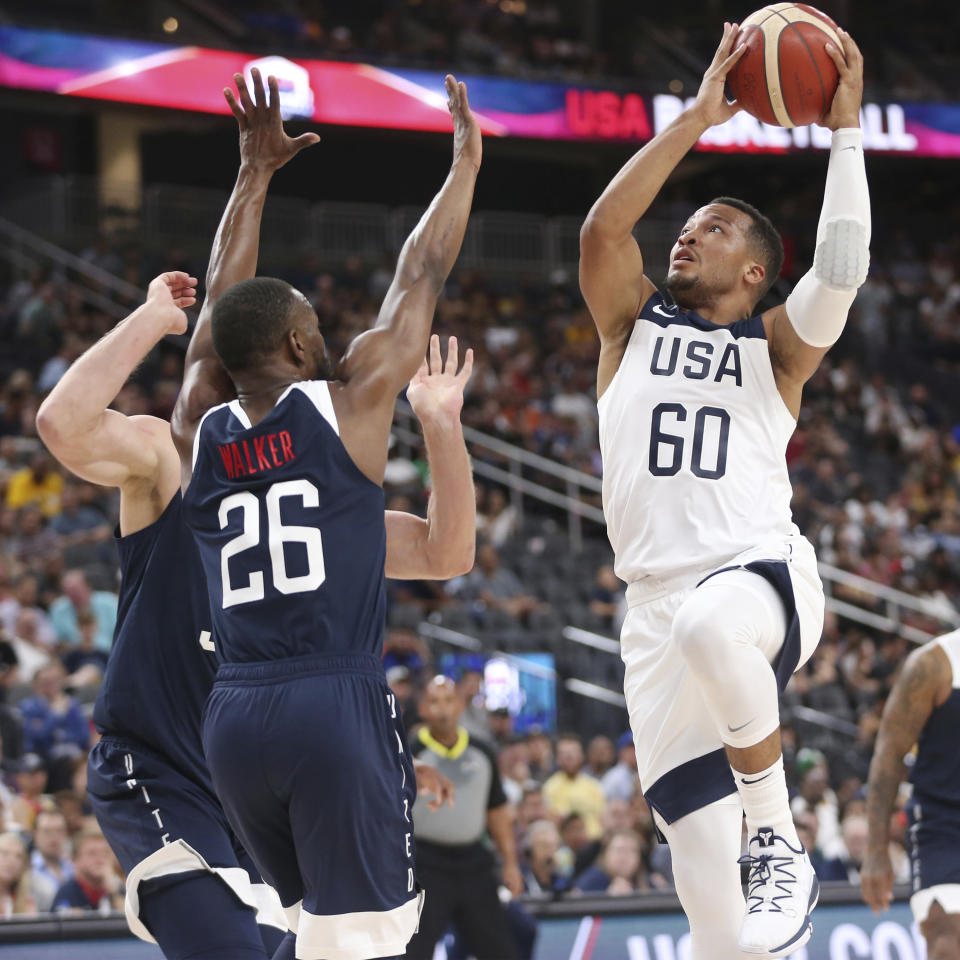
<point>680,756</point>
<point>160,823</point>
<point>310,760</point>
<point>934,830</point>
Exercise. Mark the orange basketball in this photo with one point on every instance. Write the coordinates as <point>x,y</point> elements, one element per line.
<point>786,77</point>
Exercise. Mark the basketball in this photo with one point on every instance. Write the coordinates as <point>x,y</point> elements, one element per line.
<point>786,77</point>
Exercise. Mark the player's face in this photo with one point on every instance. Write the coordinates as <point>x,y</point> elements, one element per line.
<point>708,258</point>
<point>317,364</point>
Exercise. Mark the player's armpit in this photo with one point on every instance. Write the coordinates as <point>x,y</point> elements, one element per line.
<point>611,278</point>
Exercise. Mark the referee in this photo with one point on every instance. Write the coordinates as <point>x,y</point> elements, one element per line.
<point>455,866</point>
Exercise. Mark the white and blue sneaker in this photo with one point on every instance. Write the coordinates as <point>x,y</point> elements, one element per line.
<point>782,891</point>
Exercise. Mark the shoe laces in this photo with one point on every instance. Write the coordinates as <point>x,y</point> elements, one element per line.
<point>769,881</point>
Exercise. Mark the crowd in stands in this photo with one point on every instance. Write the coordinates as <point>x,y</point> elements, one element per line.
<point>561,40</point>
<point>875,463</point>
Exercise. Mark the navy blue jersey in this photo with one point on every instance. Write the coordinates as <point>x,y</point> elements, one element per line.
<point>936,773</point>
<point>162,664</point>
<point>291,533</point>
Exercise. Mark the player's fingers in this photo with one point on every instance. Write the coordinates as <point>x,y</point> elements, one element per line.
<point>837,57</point>
<point>452,359</point>
<point>274,104</point>
<point>244,93</point>
<point>259,97</point>
<point>305,140</point>
<point>234,106</point>
<point>732,59</point>
<point>436,363</point>
<point>850,48</point>
<point>464,102</point>
<point>464,375</point>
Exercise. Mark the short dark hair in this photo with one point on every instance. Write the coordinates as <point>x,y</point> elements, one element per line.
<point>250,321</point>
<point>763,235</point>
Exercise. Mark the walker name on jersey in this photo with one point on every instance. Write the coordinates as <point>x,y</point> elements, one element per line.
<point>268,452</point>
<point>704,362</point>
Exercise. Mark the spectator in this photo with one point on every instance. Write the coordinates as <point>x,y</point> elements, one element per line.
<point>620,870</point>
<point>830,870</point>
<point>542,875</point>
<point>540,755</point>
<point>38,484</point>
<point>50,862</point>
<point>31,782</point>
<point>489,586</point>
<point>531,807</point>
<point>53,722</point>
<point>599,757</point>
<point>85,664</point>
<point>497,521</point>
<point>81,528</point>
<point>817,797</point>
<point>570,790</point>
<point>78,596</point>
<point>620,782</point>
<point>30,652</point>
<point>95,884</point>
<point>11,724</point>
<point>607,599</point>
<point>26,596</point>
<point>582,850</point>
<point>15,897</point>
<point>71,805</point>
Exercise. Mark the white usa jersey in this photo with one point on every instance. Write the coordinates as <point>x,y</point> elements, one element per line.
<point>693,433</point>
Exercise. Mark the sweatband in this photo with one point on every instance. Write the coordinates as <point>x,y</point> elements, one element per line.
<point>819,303</point>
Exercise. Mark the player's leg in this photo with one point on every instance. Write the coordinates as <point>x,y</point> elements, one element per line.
<point>481,920</point>
<point>941,930</point>
<point>171,836</point>
<point>704,847</point>
<point>198,917</point>
<point>239,751</point>
<point>352,790</point>
<point>441,892</point>
<point>729,631</point>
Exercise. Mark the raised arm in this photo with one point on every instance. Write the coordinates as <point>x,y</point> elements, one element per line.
<point>442,546</point>
<point>380,361</point>
<point>803,329</point>
<point>101,445</point>
<point>923,683</point>
<point>264,149</point>
<point>611,265</point>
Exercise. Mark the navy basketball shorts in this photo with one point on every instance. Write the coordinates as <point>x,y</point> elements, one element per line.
<point>934,856</point>
<point>160,823</point>
<point>311,764</point>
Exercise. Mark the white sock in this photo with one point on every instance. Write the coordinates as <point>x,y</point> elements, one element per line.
<point>766,802</point>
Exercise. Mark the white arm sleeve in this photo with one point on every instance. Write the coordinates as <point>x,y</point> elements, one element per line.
<point>819,303</point>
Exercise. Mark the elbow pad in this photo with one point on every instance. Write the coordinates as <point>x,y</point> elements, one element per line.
<point>819,303</point>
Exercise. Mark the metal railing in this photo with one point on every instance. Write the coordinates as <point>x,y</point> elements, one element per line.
<point>98,288</point>
<point>74,210</point>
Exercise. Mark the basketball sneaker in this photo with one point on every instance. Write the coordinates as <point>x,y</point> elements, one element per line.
<point>782,891</point>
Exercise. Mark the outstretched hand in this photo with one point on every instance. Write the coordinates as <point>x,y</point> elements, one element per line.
<point>711,102</point>
<point>172,293</point>
<point>436,390</point>
<point>467,142</point>
<point>845,109</point>
<point>263,142</point>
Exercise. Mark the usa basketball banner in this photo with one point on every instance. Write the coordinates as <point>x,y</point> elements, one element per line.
<point>362,95</point>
